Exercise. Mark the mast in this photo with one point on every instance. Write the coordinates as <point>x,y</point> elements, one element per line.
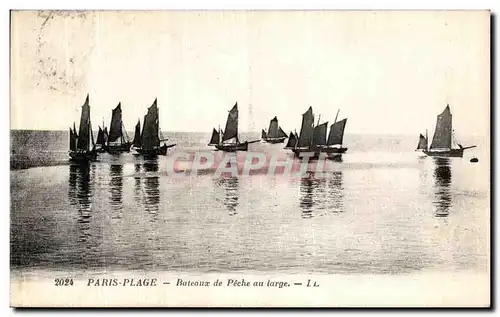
<point>336,116</point>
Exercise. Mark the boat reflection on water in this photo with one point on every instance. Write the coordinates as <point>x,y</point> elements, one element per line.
<point>231,192</point>
<point>307,202</point>
<point>442,177</point>
<point>151,187</point>
<point>137,181</point>
<point>80,193</point>
<point>336,193</point>
<point>321,196</point>
<point>147,186</point>
<point>116,188</point>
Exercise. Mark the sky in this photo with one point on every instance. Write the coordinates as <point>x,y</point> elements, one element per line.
<point>388,72</point>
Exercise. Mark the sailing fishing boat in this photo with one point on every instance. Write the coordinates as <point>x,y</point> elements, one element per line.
<point>80,143</point>
<point>442,143</point>
<point>216,136</point>
<point>150,142</point>
<point>274,133</point>
<point>313,139</point>
<point>336,136</point>
<point>117,140</point>
<point>100,143</point>
<point>228,140</point>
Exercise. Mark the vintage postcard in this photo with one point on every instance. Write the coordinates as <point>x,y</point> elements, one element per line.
<point>250,159</point>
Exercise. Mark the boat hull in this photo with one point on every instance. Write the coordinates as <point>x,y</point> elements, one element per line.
<point>83,156</point>
<point>232,147</point>
<point>450,153</point>
<point>330,152</point>
<point>274,140</point>
<point>162,150</point>
<point>124,147</point>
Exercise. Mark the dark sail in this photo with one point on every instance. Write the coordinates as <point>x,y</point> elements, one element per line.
<point>231,130</point>
<point>150,138</point>
<point>72,140</point>
<point>319,137</point>
<point>215,137</point>
<point>264,134</point>
<point>306,130</point>
<point>292,141</point>
<point>281,133</point>
<point>442,134</point>
<point>336,135</point>
<point>272,132</point>
<point>83,142</point>
<point>115,128</point>
<point>100,137</point>
<point>422,143</point>
<point>137,135</point>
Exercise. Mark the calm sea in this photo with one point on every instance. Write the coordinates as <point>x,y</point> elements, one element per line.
<point>385,209</point>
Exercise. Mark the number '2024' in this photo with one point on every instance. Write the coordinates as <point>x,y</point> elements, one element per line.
<point>63,282</point>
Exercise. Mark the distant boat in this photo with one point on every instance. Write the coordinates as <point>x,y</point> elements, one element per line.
<point>313,139</point>
<point>228,140</point>
<point>100,143</point>
<point>474,160</point>
<point>274,133</point>
<point>216,136</point>
<point>149,142</point>
<point>442,140</point>
<point>117,140</point>
<point>80,143</point>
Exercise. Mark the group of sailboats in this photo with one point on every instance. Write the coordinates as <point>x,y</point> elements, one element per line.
<point>311,139</point>
<point>147,142</point>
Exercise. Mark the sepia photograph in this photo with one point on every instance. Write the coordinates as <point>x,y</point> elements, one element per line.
<point>317,158</point>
